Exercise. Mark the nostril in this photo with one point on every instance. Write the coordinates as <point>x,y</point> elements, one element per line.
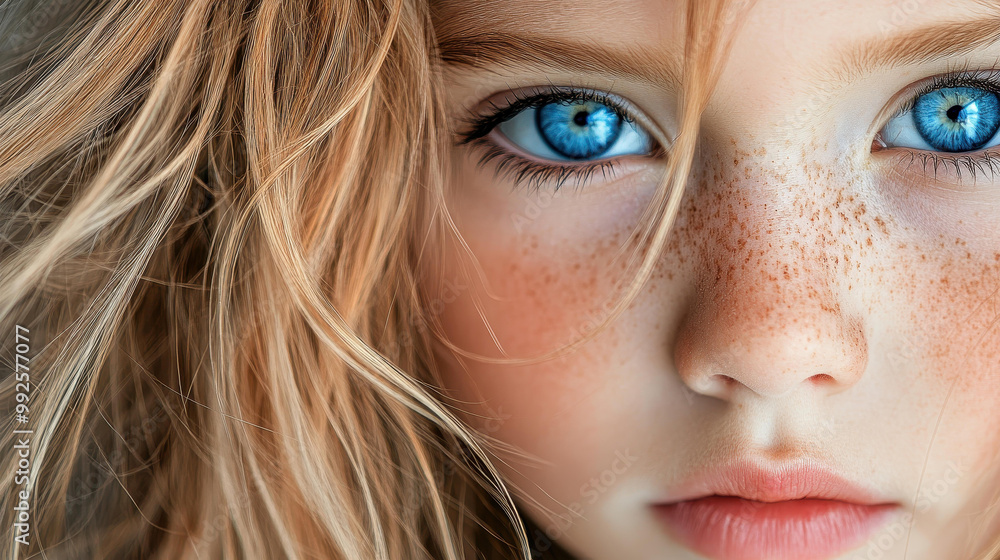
<point>823,379</point>
<point>721,384</point>
<point>725,381</point>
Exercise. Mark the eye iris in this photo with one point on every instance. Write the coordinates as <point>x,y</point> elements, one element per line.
<point>578,130</point>
<point>958,119</point>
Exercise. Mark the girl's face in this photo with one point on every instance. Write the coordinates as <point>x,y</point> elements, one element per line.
<point>812,370</point>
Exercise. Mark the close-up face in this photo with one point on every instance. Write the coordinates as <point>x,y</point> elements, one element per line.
<point>811,370</point>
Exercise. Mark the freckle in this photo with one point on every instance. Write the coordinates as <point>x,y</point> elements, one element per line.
<point>881,225</point>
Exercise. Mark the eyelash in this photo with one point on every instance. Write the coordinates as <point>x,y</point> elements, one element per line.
<point>533,175</point>
<point>974,163</point>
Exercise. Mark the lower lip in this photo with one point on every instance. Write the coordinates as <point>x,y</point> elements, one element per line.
<point>729,528</point>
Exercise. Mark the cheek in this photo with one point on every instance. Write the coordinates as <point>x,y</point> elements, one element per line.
<point>953,307</point>
<point>543,268</point>
<point>952,357</point>
<point>946,250</point>
<point>547,271</point>
<point>942,300</point>
<point>956,317</point>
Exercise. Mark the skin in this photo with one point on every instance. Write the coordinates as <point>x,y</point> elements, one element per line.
<point>817,301</point>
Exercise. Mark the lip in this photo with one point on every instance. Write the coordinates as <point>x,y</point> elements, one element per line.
<point>746,511</point>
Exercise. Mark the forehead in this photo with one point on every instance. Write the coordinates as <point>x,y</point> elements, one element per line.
<point>770,31</point>
<point>624,18</point>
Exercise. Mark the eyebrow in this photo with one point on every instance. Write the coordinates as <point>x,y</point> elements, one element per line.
<point>486,51</point>
<point>490,50</point>
<point>922,45</point>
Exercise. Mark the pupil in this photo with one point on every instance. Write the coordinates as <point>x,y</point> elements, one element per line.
<point>954,112</point>
<point>581,118</point>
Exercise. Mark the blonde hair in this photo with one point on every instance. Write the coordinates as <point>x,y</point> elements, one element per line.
<point>215,270</point>
<point>212,218</point>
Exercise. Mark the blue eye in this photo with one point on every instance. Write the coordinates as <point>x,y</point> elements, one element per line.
<point>578,130</point>
<point>569,130</point>
<point>951,119</point>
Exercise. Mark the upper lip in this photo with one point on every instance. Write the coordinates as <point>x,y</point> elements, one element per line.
<point>760,482</point>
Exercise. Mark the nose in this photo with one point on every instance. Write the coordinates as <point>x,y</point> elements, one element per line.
<point>769,316</point>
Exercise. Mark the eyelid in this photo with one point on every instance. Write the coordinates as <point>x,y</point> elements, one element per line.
<point>519,99</point>
<point>528,172</point>
<point>903,101</point>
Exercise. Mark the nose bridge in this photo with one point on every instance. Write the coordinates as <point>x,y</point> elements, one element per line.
<point>769,315</point>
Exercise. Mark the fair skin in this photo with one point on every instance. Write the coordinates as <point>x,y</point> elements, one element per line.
<point>821,301</point>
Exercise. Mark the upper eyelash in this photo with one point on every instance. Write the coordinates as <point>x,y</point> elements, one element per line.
<point>525,172</point>
<point>966,77</point>
<point>480,125</point>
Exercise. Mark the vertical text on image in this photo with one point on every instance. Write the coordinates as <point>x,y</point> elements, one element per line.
<point>22,435</point>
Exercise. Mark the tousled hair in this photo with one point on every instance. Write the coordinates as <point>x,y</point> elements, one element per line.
<point>212,215</point>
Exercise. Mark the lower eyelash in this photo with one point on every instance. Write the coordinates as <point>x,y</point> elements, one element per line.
<point>987,162</point>
<point>532,175</point>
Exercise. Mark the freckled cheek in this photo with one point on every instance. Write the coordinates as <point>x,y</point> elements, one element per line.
<point>956,310</point>
<point>549,263</point>
<point>549,270</point>
<point>532,305</point>
<point>541,288</point>
<point>549,408</point>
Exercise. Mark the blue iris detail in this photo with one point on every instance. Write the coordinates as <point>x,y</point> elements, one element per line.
<point>957,119</point>
<point>578,129</point>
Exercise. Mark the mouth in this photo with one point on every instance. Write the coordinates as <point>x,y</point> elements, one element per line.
<point>748,512</point>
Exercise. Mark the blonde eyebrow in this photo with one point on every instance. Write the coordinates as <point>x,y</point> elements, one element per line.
<point>497,49</point>
<point>492,50</point>
<point>922,45</point>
